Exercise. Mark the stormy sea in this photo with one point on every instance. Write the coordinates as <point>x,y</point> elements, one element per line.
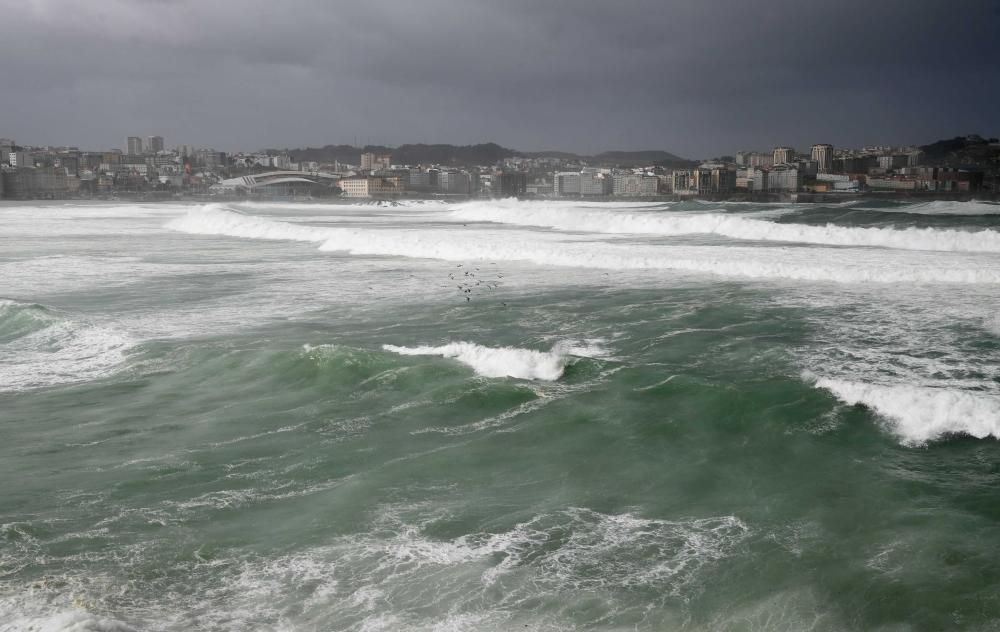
<point>499,415</point>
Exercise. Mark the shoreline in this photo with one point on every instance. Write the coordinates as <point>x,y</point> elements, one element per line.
<point>759,198</point>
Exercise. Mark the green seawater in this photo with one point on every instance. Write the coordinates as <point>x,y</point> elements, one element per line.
<point>206,432</point>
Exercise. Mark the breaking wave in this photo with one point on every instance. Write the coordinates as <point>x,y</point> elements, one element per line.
<point>42,348</point>
<point>385,578</point>
<point>525,364</point>
<point>839,265</point>
<point>921,414</point>
<point>942,207</point>
<point>668,224</point>
<point>65,621</point>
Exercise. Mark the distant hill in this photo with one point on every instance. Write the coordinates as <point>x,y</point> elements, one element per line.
<point>963,150</point>
<point>481,154</point>
<point>647,157</point>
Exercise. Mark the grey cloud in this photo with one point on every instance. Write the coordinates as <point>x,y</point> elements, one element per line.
<point>696,78</point>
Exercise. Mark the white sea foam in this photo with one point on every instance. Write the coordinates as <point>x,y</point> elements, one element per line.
<point>920,414</point>
<point>218,219</point>
<point>943,207</point>
<point>992,324</point>
<point>58,350</point>
<point>525,364</point>
<point>65,621</point>
<point>838,265</point>
<point>744,228</point>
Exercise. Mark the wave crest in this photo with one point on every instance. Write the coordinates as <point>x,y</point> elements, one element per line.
<point>921,414</point>
<point>836,265</point>
<point>743,228</point>
<point>42,348</point>
<point>525,364</point>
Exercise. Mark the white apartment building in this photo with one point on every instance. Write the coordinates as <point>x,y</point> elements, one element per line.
<point>635,184</point>
<point>566,183</point>
<point>783,155</point>
<point>823,155</point>
<point>369,187</point>
<point>20,159</point>
<point>784,178</point>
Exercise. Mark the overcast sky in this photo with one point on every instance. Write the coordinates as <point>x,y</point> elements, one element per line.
<point>695,77</point>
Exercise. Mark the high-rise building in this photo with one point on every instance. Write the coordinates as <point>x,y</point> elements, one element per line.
<point>595,182</point>
<point>566,183</point>
<point>510,184</point>
<point>455,182</point>
<point>783,155</point>
<point>20,159</point>
<point>823,155</point>
<point>371,161</point>
<point>154,144</point>
<point>784,177</point>
<point>635,184</point>
<point>133,146</point>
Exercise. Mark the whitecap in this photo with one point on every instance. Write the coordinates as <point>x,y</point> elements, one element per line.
<point>920,414</point>
<point>525,364</point>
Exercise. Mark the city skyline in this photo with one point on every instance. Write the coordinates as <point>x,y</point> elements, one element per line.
<point>694,80</point>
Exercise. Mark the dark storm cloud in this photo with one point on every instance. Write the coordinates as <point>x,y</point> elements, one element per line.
<point>696,78</point>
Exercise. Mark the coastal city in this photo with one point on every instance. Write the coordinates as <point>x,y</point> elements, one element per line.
<point>144,168</point>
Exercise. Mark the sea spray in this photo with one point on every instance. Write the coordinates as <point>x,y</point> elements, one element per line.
<point>525,364</point>
<point>836,265</point>
<point>742,228</point>
<point>920,414</point>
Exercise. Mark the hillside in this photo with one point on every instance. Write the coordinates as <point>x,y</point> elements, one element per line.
<point>481,154</point>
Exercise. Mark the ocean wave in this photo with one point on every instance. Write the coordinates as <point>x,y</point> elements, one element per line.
<point>380,578</point>
<point>836,265</point>
<point>920,414</point>
<point>525,364</point>
<point>942,207</point>
<point>219,219</point>
<point>19,319</point>
<point>64,621</point>
<point>744,228</point>
<point>42,348</point>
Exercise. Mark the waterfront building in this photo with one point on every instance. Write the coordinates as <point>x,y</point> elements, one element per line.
<point>6,146</point>
<point>211,159</point>
<point>722,179</point>
<point>839,182</point>
<point>758,159</point>
<point>458,182</point>
<point>894,161</point>
<point>593,182</point>
<point>784,178</point>
<point>894,184</point>
<point>510,184</point>
<point>41,182</point>
<point>540,187</point>
<point>371,161</point>
<point>371,186</point>
<point>154,144</point>
<point>634,184</point>
<point>133,145</point>
<point>20,159</point>
<point>566,183</point>
<point>783,155</point>
<point>823,155</point>
<point>693,181</point>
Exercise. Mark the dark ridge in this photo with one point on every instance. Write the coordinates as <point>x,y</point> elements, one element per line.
<point>481,154</point>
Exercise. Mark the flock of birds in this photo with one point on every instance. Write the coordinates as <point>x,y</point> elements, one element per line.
<point>469,281</point>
